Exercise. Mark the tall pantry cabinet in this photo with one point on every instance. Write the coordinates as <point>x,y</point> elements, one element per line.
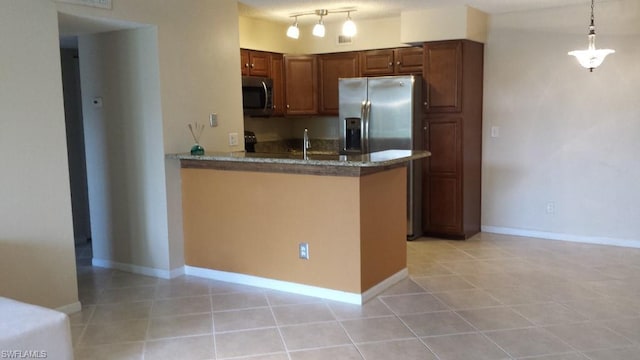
<point>452,100</point>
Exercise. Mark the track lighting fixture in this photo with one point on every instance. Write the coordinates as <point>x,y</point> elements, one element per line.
<point>349,27</point>
<point>293,31</point>
<point>319,30</point>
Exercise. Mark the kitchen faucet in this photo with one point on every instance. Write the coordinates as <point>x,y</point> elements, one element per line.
<point>306,144</point>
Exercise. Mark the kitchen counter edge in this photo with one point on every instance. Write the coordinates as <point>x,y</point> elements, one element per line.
<point>351,165</point>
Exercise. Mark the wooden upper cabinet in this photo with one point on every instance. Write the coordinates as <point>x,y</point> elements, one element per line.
<point>391,61</point>
<point>244,62</point>
<point>443,77</point>
<point>255,63</point>
<point>376,62</point>
<point>408,60</point>
<point>332,67</point>
<point>277,74</point>
<point>301,85</point>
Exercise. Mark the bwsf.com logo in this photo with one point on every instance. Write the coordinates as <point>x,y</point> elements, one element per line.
<point>23,354</point>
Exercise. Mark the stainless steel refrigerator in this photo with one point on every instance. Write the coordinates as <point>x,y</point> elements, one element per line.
<point>384,113</point>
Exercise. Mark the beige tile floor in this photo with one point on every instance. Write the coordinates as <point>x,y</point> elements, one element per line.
<point>490,297</point>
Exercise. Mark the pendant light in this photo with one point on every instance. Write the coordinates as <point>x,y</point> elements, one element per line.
<point>293,31</point>
<point>591,58</point>
<point>318,29</point>
<point>349,27</point>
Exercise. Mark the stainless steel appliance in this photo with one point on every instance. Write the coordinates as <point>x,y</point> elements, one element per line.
<point>383,113</point>
<point>257,96</point>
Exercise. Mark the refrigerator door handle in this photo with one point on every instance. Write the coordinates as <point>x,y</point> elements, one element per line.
<point>364,126</point>
<point>367,117</point>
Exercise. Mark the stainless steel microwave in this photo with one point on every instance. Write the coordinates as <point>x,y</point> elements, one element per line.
<point>257,96</point>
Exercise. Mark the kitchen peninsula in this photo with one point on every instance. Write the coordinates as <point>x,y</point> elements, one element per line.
<point>245,216</point>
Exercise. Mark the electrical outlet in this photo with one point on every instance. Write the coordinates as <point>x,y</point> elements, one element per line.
<point>233,139</point>
<point>303,251</point>
<point>495,131</point>
<point>551,207</point>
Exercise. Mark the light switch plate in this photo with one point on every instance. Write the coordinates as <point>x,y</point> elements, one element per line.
<point>233,139</point>
<point>213,120</point>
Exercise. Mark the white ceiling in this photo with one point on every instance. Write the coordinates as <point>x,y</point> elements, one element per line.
<point>280,10</point>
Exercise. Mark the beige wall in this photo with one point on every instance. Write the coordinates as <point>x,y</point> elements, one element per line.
<point>125,157</point>
<point>355,226</point>
<point>36,232</point>
<point>566,135</point>
<point>263,35</point>
<point>198,57</point>
<point>444,23</point>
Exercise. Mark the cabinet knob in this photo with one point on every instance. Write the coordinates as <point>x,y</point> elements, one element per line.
<point>390,64</point>
<point>253,65</point>
<point>398,63</point>
<point>424,128</point>
<point>287,106</point>
<point>426,104</point>
<point>246,65</point>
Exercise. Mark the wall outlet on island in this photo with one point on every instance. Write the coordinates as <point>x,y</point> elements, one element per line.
<point>303,251</point>
<point>551,207</point>
<point>233,139</point>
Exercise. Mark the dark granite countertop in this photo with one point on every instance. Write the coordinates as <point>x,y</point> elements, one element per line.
<point>317,164</point>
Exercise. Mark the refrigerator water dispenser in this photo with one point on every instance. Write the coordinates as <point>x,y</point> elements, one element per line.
<point>353,134</point>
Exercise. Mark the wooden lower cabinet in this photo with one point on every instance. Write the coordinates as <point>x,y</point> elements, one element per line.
<point>443,214</point>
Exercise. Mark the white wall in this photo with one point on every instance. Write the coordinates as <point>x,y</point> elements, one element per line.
<point>566,135</point>
<point>36,231</point>
<point>125,157</point>
<point>198,57</point>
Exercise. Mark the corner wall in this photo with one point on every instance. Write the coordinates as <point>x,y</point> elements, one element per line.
<point>567,136</point>
<point>198,57</point>
<point>125,157</point>
<point>37,263</point>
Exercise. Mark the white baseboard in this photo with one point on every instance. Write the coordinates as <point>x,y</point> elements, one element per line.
<point>562,237</point>
<point>70,308</point>
<point>384,285</point>
<point>142,270</point>
<point>295,288</point>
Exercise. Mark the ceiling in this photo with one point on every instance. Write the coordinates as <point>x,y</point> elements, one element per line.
<point>281,10</point>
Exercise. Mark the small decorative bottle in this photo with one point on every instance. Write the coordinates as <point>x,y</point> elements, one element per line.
<point>196,149</point>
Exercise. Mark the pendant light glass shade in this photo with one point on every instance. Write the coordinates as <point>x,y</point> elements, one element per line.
<point>591,58</point>
<point>349,27</point>
<point>293,31</point>
<point>318,29</point>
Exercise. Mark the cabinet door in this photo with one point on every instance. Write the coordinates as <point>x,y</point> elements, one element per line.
<point>332,67</point>
<point>301,84</point>
<point>244,62</point>
<point>259,63</point>
<point>277,74</point>
<point>442,213</point>
<point>408,60</point>
<point>443,76</point>
<point>441,188</point>
<point>443,141</point>
<point>376,62</point>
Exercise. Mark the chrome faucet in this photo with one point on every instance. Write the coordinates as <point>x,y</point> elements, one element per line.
<point>306,144</point>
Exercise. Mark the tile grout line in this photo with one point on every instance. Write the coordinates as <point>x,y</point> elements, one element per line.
<point>275,321</point>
